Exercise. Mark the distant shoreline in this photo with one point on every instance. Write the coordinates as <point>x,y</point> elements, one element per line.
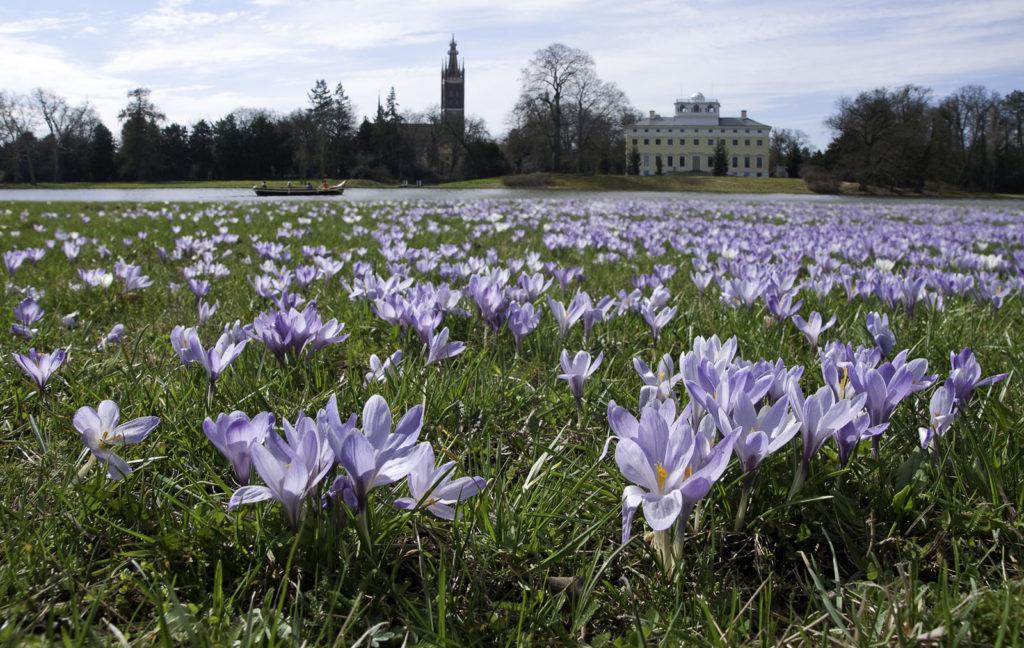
<point>557,183</point>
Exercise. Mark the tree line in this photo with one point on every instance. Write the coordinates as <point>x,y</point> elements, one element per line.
<point>905,138</point>
<point>319,140</point>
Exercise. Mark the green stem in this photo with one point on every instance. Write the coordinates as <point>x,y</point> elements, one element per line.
<point>87,467</point>
<point>741,511</point>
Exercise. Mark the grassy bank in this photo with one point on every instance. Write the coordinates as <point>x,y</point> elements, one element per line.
<point>573,182</point>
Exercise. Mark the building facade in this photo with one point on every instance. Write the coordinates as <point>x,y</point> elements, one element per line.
<point>686,141</point>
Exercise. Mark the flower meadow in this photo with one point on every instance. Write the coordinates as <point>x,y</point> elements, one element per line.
<point>579,421</point>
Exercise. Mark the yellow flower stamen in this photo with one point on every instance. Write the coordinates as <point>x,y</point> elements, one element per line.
<point>662,475</point>
<point>688,472</point>
<point>843,382</point>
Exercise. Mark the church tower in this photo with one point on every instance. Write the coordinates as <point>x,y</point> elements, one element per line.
<point>453,90</point>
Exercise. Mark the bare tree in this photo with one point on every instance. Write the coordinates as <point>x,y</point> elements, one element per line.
<point>64,122</point>
<point>593,103</point>
<point>17,121</point>
<point>546,82</point>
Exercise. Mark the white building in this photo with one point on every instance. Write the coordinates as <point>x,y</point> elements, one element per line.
<point>685,142</point>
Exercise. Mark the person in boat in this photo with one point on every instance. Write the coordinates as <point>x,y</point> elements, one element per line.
<point>289,184</point>
<point>309,185</point>
<point>324,185</point>
<point>263,185</point>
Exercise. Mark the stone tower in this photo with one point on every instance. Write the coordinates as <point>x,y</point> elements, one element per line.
<point>453,91</point>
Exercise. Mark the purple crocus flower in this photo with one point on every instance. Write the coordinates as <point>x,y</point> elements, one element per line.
<point>566,317</point>
<point>39,367</point>
<point>375,455</point>
<point>942,410</point>
<point>28,312</point>
<point>781,305</point>
<point>965,376</point>
<point>761,432</point>
<point>658,462</point>
<point>886,386</point>
<point>214,360</point>
<point>878,327</point>
<point>850,435</point>
<point>441,349</point>
<point>199,287</point>
<point>205,311</point>
<point>433,488</point>
<point>658,386</point>
<point>100,432</point>
<point>96,278</point>
<point>575,371</point>
<point>291,468</point>
<point>379,371</point>
<point>292,331</point>
<point>813,327</point>
<point>820,415</point>
<point>235,434</point>
<point>657,320</point>
<point>522,320</point>
<point>112,337</point>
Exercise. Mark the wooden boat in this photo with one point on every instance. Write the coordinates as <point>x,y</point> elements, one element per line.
<point>336,190</point>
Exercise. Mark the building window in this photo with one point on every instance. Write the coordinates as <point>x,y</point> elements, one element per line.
<point>682,160</point>
<point>634,130</point>
<point>734,161</point>
<point>669,160</point>
<point>646,142</point>
<point>696,109</point>
<point>747,130</point>
<point>647,160</point>
<point>670,142</point>
<point>760,142</point>
<point>711,162</point>
<point>657,142</point>
<point>758,131</point>
<point>746,162</point>
<point>711,142</point>
<point>634,141</point>
<point>759,165</point>
<point>645,130</point>
<point>746,142</point>
<point>735,142</point>
<point>657,161</point>
<point>758,174</point>
<point>696,142</point>
<point>735,131</point>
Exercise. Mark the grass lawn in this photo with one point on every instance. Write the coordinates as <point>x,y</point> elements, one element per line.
<point>910,548</point>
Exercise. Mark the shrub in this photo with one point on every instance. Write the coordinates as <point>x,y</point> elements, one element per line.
<point>527,180</point>
<point>820,180</point>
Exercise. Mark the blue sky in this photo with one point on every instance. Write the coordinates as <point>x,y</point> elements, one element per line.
<point>785,61</point>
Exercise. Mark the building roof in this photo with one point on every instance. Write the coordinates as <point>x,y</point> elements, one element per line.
<point>731,122</point>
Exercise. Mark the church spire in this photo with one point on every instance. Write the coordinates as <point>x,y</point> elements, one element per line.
<point>453,59</point>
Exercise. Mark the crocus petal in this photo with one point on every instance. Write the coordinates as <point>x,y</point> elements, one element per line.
<point>661,512</point>
<point>135,430</point>
<point>249,495</point>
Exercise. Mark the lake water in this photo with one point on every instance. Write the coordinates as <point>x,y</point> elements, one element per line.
<point>426,194</point>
